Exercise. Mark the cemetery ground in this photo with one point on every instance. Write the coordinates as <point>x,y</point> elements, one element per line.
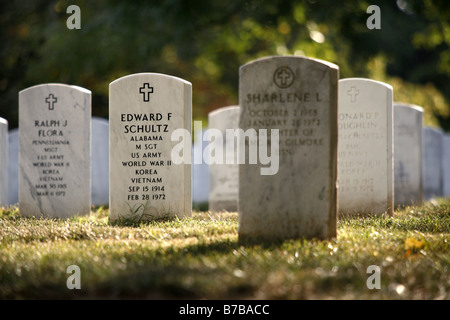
<point>201,258</point>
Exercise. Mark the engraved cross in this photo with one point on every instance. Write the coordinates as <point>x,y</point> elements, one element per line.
<point>146,90</point>
<point>283,75</point>
<point>51,100</point>
<point>353,93</point>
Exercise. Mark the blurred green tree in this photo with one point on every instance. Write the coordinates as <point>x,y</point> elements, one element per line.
<point>206,43</point>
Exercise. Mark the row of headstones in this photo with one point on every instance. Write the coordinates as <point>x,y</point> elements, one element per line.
<point>421,162</point>
<point>150,171</point>
<point>223,179</point>
<point>99,166</point>
<point>54,157</point>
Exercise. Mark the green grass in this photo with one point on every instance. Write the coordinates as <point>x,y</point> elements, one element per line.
<point>200,258</point>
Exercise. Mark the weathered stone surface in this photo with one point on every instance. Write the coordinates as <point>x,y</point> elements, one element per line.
<point>408,150</point>
<point>433,180</point>
<point>446,165</point>
<point>200,171</point>
<point>3,162</point>
<point>144,110</point>
<point>54,151</point>
<point>100,162</point>
<point>224,177</point>
<point>365,153</point>
<point>297,96</point>
<point>13,166</point>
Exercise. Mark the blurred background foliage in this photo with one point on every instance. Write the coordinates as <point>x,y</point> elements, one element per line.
<point>205,42</point>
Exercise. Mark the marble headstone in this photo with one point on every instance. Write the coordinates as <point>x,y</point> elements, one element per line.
<point>200,171</point>
<point>54,151</point>
<point>145,183</point>
<point>446,164</point>
<point>297,96</point>
<point>3,162</point>
<point>365,152</point>
<point>13,166</point>
<point>224,177</point>
<point>100,161</point>
<point>433,180</point>
<point>408,150</point>
<point>99,164</point>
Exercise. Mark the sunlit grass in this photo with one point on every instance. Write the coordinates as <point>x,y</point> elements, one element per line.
<point>201,257</point>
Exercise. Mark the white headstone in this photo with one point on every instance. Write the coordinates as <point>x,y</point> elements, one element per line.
<point>408,150</point>
<point>433,180</point>
<point>100,161</point>
<point>224,177</point>
<point>200,171</point>
<point>145,182</point>
<point>365,152</point>
<point>3,162</point>
<point>446,164</point>
<point>13,166</point>
<point>54,151</point>
<point>298,97</point>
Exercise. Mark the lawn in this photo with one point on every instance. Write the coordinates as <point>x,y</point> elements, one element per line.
<point>201,258</point>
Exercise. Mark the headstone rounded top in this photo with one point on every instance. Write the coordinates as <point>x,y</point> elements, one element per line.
<point>13,132</point>
<point>38,86</point>
<point>100,120</point>
<point>223,109</point>
<point>4,177</point>
<point>434,130</point>
<point>365,147</point>
<point>296,196</point>
<point>408,105</point>
<point>146,74</point>
<point>368,81</point>
<point>148,179</point>
<point>54,150</point>
<point>291,57</point>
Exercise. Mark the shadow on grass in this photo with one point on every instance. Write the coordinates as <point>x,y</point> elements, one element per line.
<point>140,221</point>
<point>184,274</point>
